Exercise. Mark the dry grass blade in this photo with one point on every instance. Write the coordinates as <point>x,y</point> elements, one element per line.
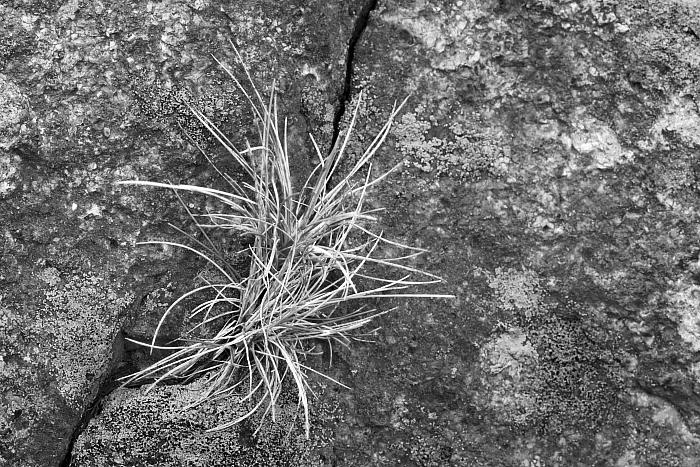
<point>254,333</point>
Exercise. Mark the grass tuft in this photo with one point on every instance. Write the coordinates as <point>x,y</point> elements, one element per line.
<point>305,261</point>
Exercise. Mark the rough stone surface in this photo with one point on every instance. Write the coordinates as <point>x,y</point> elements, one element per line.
<point>54,356</point>
<point>567,226</point>
<point>549,155</point>
<point>96,92</point>
<point>139,428</point>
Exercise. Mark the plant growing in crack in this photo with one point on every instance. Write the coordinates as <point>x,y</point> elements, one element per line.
<point>305,261</point>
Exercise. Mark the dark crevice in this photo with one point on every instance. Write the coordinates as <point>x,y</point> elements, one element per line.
<point>124,363</point>
<point>106,387</point>
<point>344,97</point>
<point>90,412</point>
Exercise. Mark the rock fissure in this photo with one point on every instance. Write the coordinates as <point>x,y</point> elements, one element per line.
<point>106,387</point>
<point>345,93</point>
<point>92,410</point>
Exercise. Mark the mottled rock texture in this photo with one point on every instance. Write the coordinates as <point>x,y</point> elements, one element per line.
<point>551,165</point>
<point>96,92</point>
<point>550,158</point>
<point>139,428</point>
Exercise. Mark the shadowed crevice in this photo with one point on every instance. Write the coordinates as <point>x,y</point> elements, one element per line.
<point>105,388</point>
<point>344,97</point>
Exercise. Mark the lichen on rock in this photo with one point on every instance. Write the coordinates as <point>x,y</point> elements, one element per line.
<point>9,174</point>
<point>544,370</point>
<point>139,427</point>
<point>684,299</point>
<point>448,35</point>
<point>14,110</point>
<point>680,117</point>
<point>468,149</point>
<point>78,323</point>
<point>516,291</point>
<point>597,140</point>
<point>508,363</point>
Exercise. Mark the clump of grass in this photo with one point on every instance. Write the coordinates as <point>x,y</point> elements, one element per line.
<point>305,262</point>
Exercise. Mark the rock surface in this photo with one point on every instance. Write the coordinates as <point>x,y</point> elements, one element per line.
<point>550,163</point>
<point>551,167</point>
<point>140,428</point>
<point>92,93</point>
